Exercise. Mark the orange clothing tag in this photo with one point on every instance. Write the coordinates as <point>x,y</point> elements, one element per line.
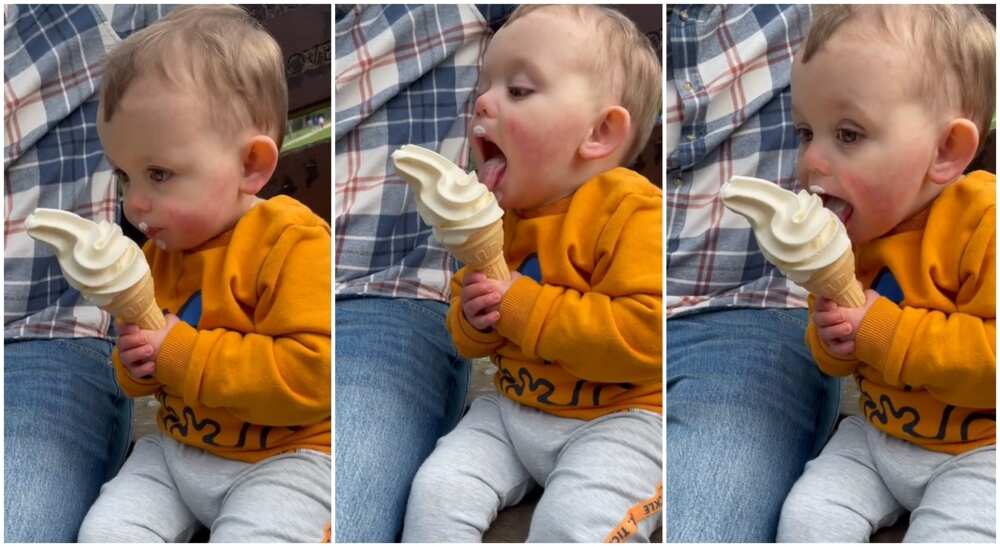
<point>636,514</point>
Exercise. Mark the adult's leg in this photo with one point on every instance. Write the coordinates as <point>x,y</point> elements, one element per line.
<point>959,503</point>
<point>399,387</point>
<point>841,496</point>
<point>604,483</point>
<point>746,408</point>
<point>473,472</point>
<point>66,429</point>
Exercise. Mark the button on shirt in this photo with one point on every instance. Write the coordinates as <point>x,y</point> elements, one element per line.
<point>728,113</point>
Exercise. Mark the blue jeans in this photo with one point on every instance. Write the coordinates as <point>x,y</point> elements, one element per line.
<point>400,386</point>
<point>67,427</point>
<point>746,408</point>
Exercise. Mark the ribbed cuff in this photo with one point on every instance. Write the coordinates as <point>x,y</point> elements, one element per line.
<point>873,342</point>
<point>175,352</point>
<point>515,311</point>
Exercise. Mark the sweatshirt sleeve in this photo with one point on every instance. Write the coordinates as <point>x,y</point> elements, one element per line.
<point>612,332</point>
<point>951,355</point>
<point>830,364</point>
<point>279,374</point>
<point>469,341</point>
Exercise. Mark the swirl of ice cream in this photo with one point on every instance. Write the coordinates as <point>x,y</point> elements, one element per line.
<point>96,258</point>
<point>452,201</point>
<point>794,231</point>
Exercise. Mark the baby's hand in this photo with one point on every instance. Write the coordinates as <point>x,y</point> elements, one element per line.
<point>837,325</point>
<point>139,348</point>
<point>481,298</point>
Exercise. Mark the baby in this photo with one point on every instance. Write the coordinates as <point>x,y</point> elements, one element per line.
<point>192,115</point>
<point>567,96</point>
<point>890,104</point>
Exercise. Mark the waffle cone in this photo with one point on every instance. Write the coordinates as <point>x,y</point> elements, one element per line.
<point>137,305</point>
<point>837,282</point>
<point>483,252</point>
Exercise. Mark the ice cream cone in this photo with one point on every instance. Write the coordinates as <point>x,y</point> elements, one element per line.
<point>837,282</point>
<point>483,252</point>
<point>137,305</point>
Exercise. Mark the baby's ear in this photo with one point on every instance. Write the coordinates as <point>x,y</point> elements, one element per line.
<point>608,135</point>
<point>260,157</point>
<point>956,148</point>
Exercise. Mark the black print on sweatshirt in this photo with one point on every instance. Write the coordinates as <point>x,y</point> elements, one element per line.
<point>543,390</point>
<point>885,408</point>
<point>187,425</point>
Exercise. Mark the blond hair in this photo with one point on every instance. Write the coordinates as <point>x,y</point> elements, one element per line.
<point>220,49</point>
<point>629,58</point>
<point>954,48</point>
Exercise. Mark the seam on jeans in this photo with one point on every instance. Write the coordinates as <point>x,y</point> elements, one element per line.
<point>81,347</point>
<point>425,310</point>
<point>636,514</point>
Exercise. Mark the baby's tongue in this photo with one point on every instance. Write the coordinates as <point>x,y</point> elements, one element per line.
<point>838,206</point>
<point>492,170</point>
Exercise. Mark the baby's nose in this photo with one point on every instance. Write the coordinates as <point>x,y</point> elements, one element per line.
<point>486,105</point>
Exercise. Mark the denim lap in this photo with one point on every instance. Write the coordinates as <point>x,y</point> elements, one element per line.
<point>67,427</point>
<point>746,408</point>
<point>399,387</point>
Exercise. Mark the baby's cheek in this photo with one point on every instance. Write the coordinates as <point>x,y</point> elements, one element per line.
<point>538,141</point>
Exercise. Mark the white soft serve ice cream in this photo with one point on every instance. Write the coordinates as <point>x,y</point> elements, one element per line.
<point>794,231</point>
<point>96,259</point>
<point>452,201</point>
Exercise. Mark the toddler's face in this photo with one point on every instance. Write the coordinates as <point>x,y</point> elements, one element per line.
<point>178,174</point>
<point>865,138</point>
<point>537,102</point>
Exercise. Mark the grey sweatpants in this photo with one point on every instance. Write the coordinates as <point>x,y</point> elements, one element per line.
<point>166,490</point>
<point>864,480</point>
<point>597,474</point>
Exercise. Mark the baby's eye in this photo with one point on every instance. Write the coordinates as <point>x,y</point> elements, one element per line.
<point>159,175</point>
<point>518,92</point>
<point>120,177</point>
<point>848,136</point>
<point>804,134</point>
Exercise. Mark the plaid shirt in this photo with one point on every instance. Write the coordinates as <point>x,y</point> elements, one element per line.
<point>728,113</point>
<point>52,155</point>
<point>404,75</point>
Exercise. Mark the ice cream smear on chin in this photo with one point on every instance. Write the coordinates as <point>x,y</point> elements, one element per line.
<point>452,201</point>
<point>793,230</point>
<point>96,258</point>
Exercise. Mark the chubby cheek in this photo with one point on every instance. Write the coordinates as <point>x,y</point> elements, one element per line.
<point>540,141</point>
<point>186,225</point>
<point>875,206</point>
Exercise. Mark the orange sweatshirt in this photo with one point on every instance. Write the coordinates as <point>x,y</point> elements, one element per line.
<point>252,379</point>
<point>926,367</point>
<point>584,339</point>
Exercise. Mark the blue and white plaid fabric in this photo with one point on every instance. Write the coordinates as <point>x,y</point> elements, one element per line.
<point>404,75</point>
<point>728,113</point>
<point>52,155</point>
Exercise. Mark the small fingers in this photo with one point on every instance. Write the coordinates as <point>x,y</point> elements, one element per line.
<point>142,371</point>
<point>131,341</point>
<point>136,354</point>
<point>474,277</point>
<point>824,319</point>
<point>825,304</point>
<point>841,346</point>
<point>836,331</point>
<point>485,321</point>
<point>479,304</point>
